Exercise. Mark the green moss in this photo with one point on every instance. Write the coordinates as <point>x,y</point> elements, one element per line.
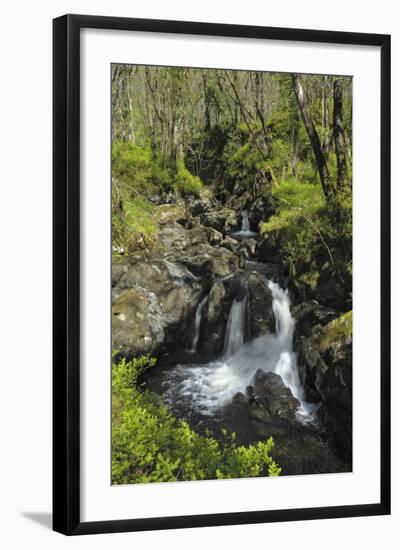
<point>186,183</point>
<point>336,330</point>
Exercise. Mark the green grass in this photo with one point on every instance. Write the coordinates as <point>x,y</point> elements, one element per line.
<point>295,201</point>
<point>140,217</point>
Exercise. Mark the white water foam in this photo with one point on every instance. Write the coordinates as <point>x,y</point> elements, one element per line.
<point>210,386</point>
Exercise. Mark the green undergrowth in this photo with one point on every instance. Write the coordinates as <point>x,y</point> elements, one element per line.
<point>150,445</point>
<point>186,183</point>
<point>314,238</point>
<point>295,202</point>
<point>138,176</point>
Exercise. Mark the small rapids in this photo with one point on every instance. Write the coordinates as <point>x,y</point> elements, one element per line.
<point>207,387</point>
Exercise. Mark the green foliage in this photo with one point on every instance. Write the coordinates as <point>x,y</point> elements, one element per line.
<point>134,226</point>
<point>150,445</point>
<point>314,238</point>
<point>186,183</point>
<point>136,169</point>
<point>242,153</point>
<point>136,176</point>
<point>294,201</point>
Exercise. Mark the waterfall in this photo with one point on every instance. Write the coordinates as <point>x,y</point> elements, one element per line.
<point>286,365</point>
<point>245,231</point>
<point>197,322</point>
<point>235,328</point>
<point>212,385</point>
<point>245,222</point>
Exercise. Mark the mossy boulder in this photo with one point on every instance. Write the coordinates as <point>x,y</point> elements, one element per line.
<point>137,326</point>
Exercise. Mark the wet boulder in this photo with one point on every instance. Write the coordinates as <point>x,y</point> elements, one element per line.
<point>212,262</point>
<point>261,319</point>
<point>214,320</point>
<point>267,404</point>
<point>260,210</point>
<point>273,397</point>
<point>248,248</point>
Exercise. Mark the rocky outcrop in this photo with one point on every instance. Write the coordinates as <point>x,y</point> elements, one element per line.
<point>137,322</point>
<point>230,243</point>
<point>260,210</point>
<point>222,219</point>
<point>325,366</point>
<point>259,312</point>
<point>261,317</point>
<point>248,248</point>
<point>309,314</point>
<point>154,302</point>
<point>156,294</point>
<point>200,206</point>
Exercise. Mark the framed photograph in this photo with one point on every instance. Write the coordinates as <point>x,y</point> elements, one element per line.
<point>221,274</point>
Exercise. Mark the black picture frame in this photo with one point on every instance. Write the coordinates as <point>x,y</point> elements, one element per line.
<point>66,273</point>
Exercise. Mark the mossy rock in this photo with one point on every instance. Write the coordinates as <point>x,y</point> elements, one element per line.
<point>166,213</point>
<point>336,330</point>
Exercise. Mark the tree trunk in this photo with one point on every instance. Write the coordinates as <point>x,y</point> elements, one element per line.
<point>314,138</point>
<point>326,93</point>
<point>207,117</point>
<point>340,144</point>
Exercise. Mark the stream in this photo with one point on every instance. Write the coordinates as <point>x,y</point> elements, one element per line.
<point>201,392</point>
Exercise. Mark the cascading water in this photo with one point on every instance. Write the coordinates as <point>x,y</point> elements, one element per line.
<point>245,222</point>
<point>209,386</point>
<point>235,328</point>
<point>197,322</point>
<point>245,230</point>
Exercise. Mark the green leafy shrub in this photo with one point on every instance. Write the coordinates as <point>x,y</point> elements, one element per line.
<point>150,445</point>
